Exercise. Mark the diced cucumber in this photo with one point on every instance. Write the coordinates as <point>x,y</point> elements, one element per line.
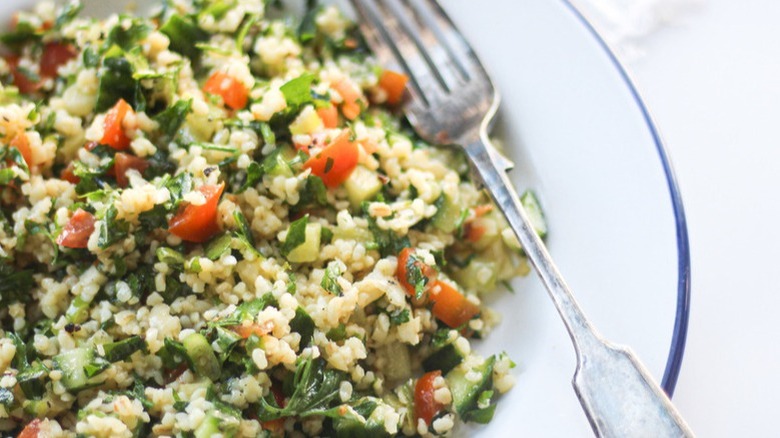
<point>479,275</point>
<point>535,214</point>
<point>278,162</point>
<point>309,250</point>
<point>78,366</point>
<point>307,122</point>
<point>208,428</point>
<point>78,311</point>
<point>465,392</point>
<point>353,233</point>
<point>218,422</point>
<point>37,408</point>
<point>363,184</point>
<point>200,127</point>
<point>399,364</point>
<point>363,421</point>
<point>448,214</point>
<point>202,356</point>
<point>444,359</point>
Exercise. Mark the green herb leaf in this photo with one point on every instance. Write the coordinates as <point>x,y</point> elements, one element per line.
<point>170,257</point>
<point>298,90</point>
<point>218,9</point>
<point>179,186</point>
<point>112,230</point>
<point>171,119</point>
<point>303,324</point>
<point>315,388</point>
<point>244,232</point>
<point>254,174</point>
<point>67,14</point>
<point>330,280</point>
<point>139,393</point>
<point>244,31</point>
<point>481,416</point>
<point>184,33</point>
<point>90,58</point>
<point>313,192</point>
<point>415,276</point>
<point>246,311</point>
<point>31,379</point>
<point>116,82</point>
<point>400,316</point>
<point>296,235</point>
<point>226,340</point>
<point>219,246</point>
<point>96,366</point>
<point>128,38</point>
<point>387,241</point>
<point>21,35</point>
<point>15,284</point>
<point>121,350</point>
<point>307,30</point>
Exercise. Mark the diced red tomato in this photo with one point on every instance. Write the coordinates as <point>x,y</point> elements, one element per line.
<point>124,162</point>
<point>32,430</point>
<point>113,132</point>
<point>336,162</point>
<point>481,210</point>
<point>473,231</point>
<point>21,81</point>
<point>302,146</point>
<point>22,144</point>
<point>233,92</point>
<point>245,331</point>
<point>451,306</point>
<point>54,55</point>
<point>77,231</point>
<point>350,43</point>
<point>425,405</point>
<point>405,260</point>
<point>198,223</point>
<point>68,175</point>
<point>474,228</point>
<point>394,84</point>
<point>329,116</point>
<point>350,105</point>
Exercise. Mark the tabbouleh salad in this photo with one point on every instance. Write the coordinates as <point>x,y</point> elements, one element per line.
<point>215,222</point>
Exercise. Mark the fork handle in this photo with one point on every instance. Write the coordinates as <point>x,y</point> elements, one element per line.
<point>617,393</point>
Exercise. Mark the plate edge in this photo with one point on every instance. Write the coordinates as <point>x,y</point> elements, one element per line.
<point>680,332</point>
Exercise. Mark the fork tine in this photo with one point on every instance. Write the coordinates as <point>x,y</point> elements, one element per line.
<point>424,29</point>
<point>452,39</point>
<point>391,42</point>
<point>436,55</point>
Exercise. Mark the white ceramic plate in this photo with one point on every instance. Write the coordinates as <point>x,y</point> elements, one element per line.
<point>583,140</point>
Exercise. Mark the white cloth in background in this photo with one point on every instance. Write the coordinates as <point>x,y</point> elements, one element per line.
<point>625,23</point>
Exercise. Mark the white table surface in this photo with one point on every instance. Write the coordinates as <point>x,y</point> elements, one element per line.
<point>713,85</point>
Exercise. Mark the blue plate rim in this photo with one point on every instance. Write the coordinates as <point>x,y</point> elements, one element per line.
<point>680,332</point>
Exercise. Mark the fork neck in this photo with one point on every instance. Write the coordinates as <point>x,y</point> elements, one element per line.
<point>491,167</point>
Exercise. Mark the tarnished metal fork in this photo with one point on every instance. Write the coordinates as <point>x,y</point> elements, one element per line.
<point>452,101</point>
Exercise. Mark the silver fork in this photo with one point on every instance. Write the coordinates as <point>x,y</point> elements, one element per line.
<point>452,101</point>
